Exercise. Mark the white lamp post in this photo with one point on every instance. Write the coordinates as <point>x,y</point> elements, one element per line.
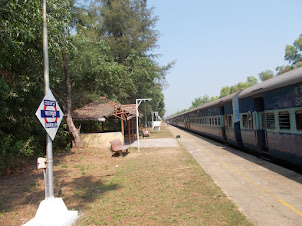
<point>137,103</point>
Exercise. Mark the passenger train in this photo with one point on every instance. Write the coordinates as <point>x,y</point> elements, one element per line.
<point>265,119</point>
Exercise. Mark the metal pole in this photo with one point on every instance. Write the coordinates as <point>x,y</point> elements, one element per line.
<point>152,114</point>
<point>146,119</point>
<point>137,130</point>
<point>49,177</point>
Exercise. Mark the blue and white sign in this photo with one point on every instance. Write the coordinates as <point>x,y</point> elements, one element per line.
<point>50,114</point>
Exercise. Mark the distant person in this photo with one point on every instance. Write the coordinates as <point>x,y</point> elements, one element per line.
<point>168,123</point>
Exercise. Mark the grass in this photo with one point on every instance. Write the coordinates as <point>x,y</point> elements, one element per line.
<point>162,186</point>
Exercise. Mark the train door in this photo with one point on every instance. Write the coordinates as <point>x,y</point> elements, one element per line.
<point>258,119</point>
<point>187,121</point>
<point>222,123</point>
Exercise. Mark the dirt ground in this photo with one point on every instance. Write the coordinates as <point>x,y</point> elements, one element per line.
<point>157,186</point>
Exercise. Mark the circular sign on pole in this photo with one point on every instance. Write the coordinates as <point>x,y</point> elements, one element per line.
<point>50,114</point>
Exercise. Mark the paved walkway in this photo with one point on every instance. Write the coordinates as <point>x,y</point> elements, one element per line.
<point>266,193</point>
<point>156,143</point>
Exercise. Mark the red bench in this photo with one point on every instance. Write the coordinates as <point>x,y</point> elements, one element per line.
<point>145,133</point>
<point>118,147</point>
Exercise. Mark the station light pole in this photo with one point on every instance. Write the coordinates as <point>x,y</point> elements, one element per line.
<point>137,103</point>
<point>49,191</point>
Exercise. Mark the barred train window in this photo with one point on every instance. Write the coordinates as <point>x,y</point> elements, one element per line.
<point>244,121</point>
<point>284,122</point>
<point>219,120</point>
<point>215,121</point>
<point>299,120</point>
<point>270,120</point>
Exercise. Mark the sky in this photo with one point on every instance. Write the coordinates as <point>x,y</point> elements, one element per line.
<point>217,43</point>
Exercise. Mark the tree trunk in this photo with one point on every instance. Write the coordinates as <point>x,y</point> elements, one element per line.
<point>71,127</point>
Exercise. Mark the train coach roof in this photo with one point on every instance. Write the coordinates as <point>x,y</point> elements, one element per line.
<point>282,80</point>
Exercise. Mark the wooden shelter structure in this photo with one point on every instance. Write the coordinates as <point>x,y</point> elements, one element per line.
<point>104,109</point>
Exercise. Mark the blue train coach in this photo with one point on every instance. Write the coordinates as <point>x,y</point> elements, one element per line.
<point>271,117</point>
<point>265,118</point>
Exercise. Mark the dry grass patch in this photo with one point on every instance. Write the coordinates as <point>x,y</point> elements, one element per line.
<point>163,186</point>
<point>157,186</point>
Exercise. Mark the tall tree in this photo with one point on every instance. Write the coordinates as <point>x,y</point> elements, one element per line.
<point>293,53</point>
<point>72,129</point>
<point>114,38</point>
<point>127,26</point>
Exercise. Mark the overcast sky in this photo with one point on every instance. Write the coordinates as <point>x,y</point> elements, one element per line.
<point>218,43</point>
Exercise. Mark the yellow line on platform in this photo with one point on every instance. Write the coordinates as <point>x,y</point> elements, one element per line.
<point>254,183</point>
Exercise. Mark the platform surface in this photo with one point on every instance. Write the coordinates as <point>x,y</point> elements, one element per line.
<point>266,193</point>
<point>156,143</point>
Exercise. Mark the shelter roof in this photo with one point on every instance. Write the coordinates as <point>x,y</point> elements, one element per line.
<point>104,108</point>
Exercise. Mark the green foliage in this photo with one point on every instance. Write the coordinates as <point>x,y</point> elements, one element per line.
<point>14,152</point>
<point>225,91</point>
<point>127,26</point>
<point>111,45</point>
<point>200,101</point>
<point>283,69</point>
<point>293,52</point>
<point>265,75</point>
<point>21,69</point>
<point>251,80</point>
<point>107,57</point>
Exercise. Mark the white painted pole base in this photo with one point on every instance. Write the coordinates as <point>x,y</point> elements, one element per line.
<point>51,212</point>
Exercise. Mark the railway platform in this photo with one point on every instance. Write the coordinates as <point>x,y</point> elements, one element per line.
<point>266,193</point>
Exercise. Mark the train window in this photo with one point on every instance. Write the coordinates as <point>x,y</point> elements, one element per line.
<point>230,121</point>
<point>244,121</point>
<point>219,120</point>
<point>215,121</point>
<point>284,122</point>
<point>270,120</point>
<point>299,120</point>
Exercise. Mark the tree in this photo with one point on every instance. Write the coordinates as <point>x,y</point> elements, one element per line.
<point>127,26</point>
<point>265,75</point>
<point>251,80</point>
<point>283,69</point>
<point>21,69</point>
<point>200,101</point>
<point>72,129</point>
<point>293,53</point>
<point>225,91</point>
<point>112,41</point>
